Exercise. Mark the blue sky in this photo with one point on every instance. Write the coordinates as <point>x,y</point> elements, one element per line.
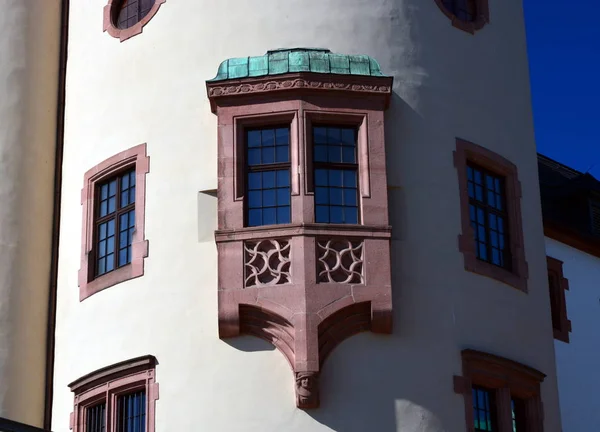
<point>563,40</point>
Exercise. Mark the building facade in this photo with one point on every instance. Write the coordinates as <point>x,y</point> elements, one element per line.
<point>257,238</point>
<point>569,202</point>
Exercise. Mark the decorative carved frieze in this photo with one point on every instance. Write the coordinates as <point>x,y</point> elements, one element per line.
<point>340,261</point>
<point>273,85</point>
<point>267,262</point>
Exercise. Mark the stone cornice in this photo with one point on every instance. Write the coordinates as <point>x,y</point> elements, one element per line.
<point>303,82</point>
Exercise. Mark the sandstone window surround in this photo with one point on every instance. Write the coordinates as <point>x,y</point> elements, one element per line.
<point>558,284</point>
<point>303,286</point>
<point>515,273</point>
<point>100,396</point>
<point>513,389</point>
<point>91,281</point>
<point>124,19</point>
<point>466,15</point>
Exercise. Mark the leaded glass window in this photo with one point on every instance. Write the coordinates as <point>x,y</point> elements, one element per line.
<point>488,216</point>
<point>131,412</point>
<point>484,410</point>
<point>95,418</point>
<point>131,12</point>
<point>115,222</point>
<point>268,176</point>
<point>335,174</point>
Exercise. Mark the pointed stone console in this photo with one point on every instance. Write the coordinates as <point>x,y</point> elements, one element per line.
<point>303,285</point>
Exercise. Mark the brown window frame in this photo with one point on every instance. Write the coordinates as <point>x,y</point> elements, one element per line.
<point>508,380</point>
<point>557,285</point>
<point>108,385</point>
<point>517,274</point>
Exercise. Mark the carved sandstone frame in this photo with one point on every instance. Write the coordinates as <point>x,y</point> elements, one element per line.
<point>558,284</point>
<point>482,16</point>
<point>268,276</point>
<point>134,157</point>
<point>124,34</point>
<point>507,379</point>
<point>469,152</point>
<point>111,382</point>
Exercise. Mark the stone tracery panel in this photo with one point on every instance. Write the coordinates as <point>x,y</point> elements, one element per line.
<point>340,261</point>
<point>267,262</point>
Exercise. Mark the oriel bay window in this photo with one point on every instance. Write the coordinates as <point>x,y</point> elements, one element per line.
<point>268,178</point>
<point>302,203</point>
<point>335,174</point>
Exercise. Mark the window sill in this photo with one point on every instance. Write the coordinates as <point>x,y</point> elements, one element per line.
<point>130,271</point>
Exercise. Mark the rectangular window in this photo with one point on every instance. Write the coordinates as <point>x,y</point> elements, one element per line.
<point>517,408</point>
<point>484,414</point>
<point>268,167</point>
<point>488,216</point>
<point>131,412</point>
<point>115,222</point>
<point>335,174</point>
<point>96,418</point>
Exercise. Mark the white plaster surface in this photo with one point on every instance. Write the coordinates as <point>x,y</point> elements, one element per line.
<point>577,361</point>
<point>151,89</point>
<point>29,39</point>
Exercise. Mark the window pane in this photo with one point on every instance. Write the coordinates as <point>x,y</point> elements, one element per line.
<point>351,215</point>
<point>320,135</point>
<point>131,412</point>
<point>282,136</point>
<point>322,214</point>
<point>254,199</point>
<point>268,193</point>
<point>254,138</point>
<point>486,197</point>
<point>483,410</point>
<point>95,418</point>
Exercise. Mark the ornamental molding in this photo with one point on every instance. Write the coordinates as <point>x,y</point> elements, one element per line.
<point>308,81</point>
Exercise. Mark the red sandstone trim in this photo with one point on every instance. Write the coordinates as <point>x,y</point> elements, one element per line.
<point>124,34</point>
<point>467,151</point>
<point>508,379</point>
<point>297,298</point>
<point>482,17</point>
<point>555,272</point>
<point>108,383</point>
<point>133,157</point>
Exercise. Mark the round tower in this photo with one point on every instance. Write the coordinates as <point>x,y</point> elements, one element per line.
<point>29,40</point>
<point>175,305</point>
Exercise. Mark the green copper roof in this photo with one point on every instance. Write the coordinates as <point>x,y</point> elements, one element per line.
<point>281,61</point>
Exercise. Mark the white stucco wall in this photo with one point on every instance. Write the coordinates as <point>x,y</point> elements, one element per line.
<point>29,40</point>
<point>151,89</point>
<point>577,361</point>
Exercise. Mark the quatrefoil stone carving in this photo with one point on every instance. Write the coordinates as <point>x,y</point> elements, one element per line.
<point>267,262</point>
<point>340,261</point>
